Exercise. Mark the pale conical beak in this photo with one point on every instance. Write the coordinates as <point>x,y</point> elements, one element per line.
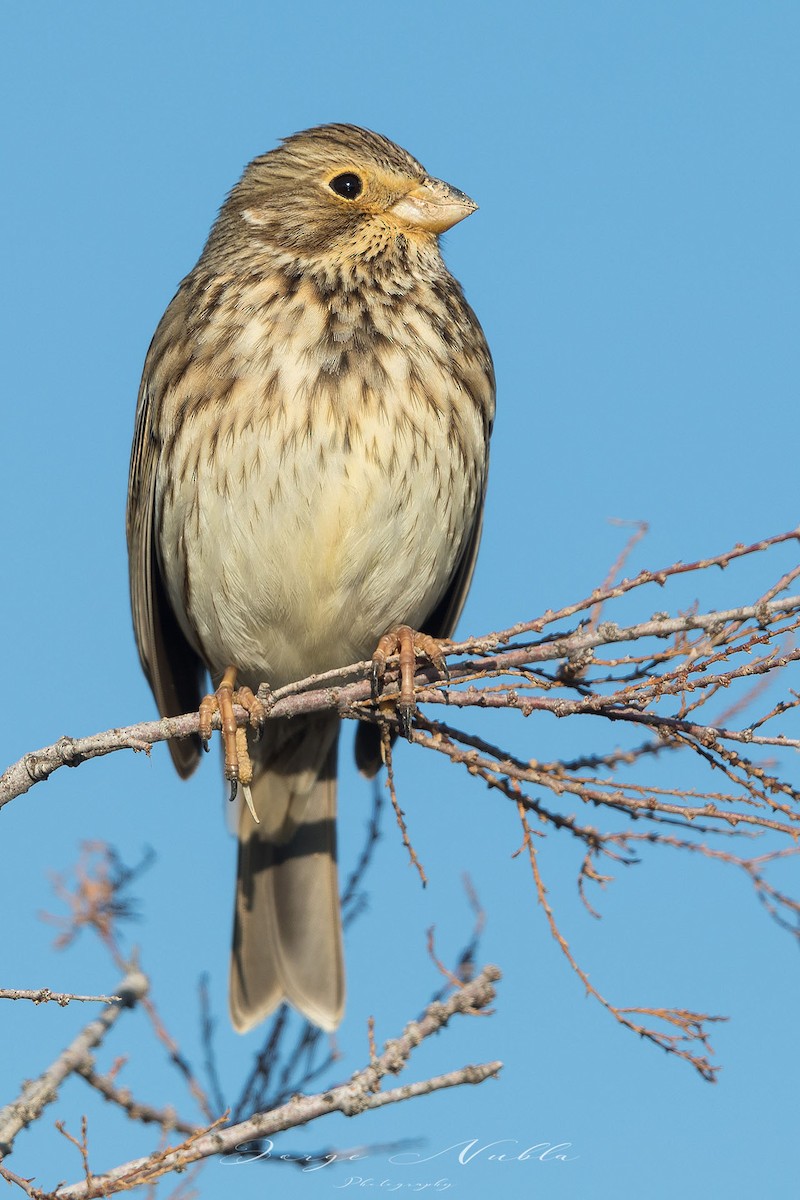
<point>433,205</point>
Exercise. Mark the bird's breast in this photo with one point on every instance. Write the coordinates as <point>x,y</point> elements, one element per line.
<point>324,490</point>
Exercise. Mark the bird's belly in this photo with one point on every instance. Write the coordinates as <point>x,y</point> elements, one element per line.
<point>302,558</point>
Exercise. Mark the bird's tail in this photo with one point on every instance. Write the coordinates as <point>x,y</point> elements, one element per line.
<point>287,935</point>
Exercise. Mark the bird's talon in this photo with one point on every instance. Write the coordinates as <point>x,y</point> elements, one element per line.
<point>251,703</point>
<point>376,677</point>
<point>238,765</point>
<point>407,645</point>
<point>405,717</point>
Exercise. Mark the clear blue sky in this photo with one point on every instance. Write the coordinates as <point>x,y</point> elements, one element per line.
<point>635,266</point>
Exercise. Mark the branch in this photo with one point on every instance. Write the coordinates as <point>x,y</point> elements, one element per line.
<point>166,1118</point>
<point>353,700</point>
<point>654,676</point>
<point>660,577</point>
<point>38,1093</point>
<point>356,1096</point>
<point>689,1025</point>
<point>43,995</point>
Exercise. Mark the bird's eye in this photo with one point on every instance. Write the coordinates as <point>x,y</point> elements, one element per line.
<point>347,185</point>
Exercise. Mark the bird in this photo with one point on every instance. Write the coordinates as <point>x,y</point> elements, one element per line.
<point>306,491</point>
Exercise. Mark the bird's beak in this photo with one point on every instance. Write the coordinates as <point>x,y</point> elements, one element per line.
<point>433,205</point>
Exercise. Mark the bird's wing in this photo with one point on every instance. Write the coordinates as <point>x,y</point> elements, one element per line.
<point>476,372</point>
<point>173,669</point>
<point>441,623</point>
<point>444,618</point>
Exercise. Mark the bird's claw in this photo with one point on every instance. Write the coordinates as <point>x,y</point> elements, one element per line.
<point>408,644</point>
<point>405,720</point>
<point>376,675</point>
<point>238,765</point>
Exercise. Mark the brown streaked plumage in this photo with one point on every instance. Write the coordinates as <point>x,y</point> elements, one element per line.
<point>308,472</point>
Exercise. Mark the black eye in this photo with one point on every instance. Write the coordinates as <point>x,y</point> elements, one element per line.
<point>347,185</point>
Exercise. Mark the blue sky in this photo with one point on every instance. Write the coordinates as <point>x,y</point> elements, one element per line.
<point>635,266</point>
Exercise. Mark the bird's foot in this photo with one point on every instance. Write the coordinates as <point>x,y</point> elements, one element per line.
<point>408,644</point>
<point>238,765</point>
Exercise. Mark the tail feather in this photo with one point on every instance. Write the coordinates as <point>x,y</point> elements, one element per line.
<point>287,939</point>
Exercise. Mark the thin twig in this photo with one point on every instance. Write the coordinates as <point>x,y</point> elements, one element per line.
<point>43,995</point>
<point>166,1118</point>
<point>386,742</point>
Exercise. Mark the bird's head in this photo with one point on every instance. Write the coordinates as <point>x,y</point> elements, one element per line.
<point>340,192</point>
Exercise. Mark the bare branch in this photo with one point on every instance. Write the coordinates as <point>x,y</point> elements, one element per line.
<point>386,745</point>
<point>660,577</point>
<point>352,700</point>
<point>359,1094</point>
<point>38,1093</point>
<point>98,900</point>
<point>684,680</point>
<point>43,995</point>
<point>166,1118</point>
<point>689,1025</point>
<point>25,1184</point>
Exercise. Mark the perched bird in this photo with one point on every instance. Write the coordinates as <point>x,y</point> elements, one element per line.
<point>308,474</point>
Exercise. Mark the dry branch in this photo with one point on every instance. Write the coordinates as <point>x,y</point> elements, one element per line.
<point>661,679</point>
<point>353,700</point>
<point>38,1093</point>
<point>166,1118</point>
<point>43,995</point>
<point>360,1093</point>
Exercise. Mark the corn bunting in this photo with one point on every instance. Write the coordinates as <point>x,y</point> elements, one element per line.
<point>308,475</point>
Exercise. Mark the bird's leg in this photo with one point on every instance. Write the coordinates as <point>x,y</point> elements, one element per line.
<point>238,767</point>
<point>407,643</point>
